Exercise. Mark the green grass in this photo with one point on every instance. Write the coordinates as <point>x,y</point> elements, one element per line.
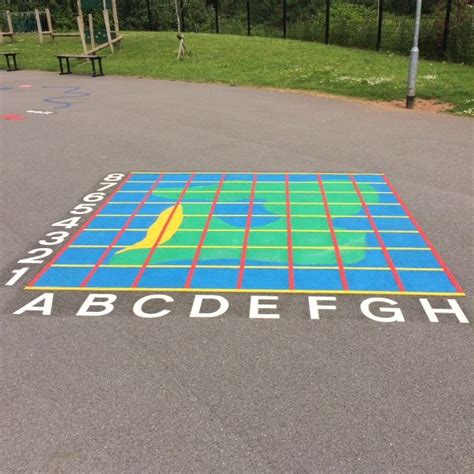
<point>265,62</point>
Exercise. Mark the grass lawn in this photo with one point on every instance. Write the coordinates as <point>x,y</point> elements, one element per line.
<point>265,62</point>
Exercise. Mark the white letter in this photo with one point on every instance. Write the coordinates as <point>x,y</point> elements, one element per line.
<point>45,308</point>
<point>396,312</point>
<point>314,307</point>
<point>455,309</point>
<point>197,303</point>
<point>138,306</point>
<point>106,304</point>
<point>255,306</point>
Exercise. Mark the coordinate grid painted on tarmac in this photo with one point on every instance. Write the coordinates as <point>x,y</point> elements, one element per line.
<point>244,232</point>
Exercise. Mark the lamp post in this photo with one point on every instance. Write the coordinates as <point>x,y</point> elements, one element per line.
<point>414,55</point>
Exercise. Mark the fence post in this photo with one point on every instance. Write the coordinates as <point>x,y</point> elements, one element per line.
<point>148,9</point>
<point>328,15</point>
<point>216,8</point>
<point>248,18</point>
<point>446,28</point>
<point>285,19</point>
<point>380,25</point>
<point>181,6</point>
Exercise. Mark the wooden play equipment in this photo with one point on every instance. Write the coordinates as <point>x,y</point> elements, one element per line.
<point>50,31</point>
<point>10,33</point>
<point>113,37</point>
<point>182,50</point>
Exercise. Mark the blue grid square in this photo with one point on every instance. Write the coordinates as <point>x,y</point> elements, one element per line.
<point>222,278</point>
<point>264,279</point>
<point>164,278</point>
<point>321,279</point>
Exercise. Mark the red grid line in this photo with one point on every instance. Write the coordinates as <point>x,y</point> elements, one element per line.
<point>337,250</point>
<point>106,252</point>
<point>157,242</point>
<point>79,231</point>
<point>248,224</point>
<point>436,254</point>
<point>190,276</point>
<point>291,270</point>
<point>389,260</point>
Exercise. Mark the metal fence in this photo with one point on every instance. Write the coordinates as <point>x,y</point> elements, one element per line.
<point>446,27</point>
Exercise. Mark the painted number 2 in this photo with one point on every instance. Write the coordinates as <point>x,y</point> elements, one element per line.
<point>89,203</point>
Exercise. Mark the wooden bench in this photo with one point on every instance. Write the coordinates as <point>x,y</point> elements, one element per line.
<point>9,55</point>
<point>92,57</point>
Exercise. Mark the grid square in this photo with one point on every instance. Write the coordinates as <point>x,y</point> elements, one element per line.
<point>300,232</point>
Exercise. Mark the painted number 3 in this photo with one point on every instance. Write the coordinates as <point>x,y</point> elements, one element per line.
<point>58,237</point>
<point>55,238</point>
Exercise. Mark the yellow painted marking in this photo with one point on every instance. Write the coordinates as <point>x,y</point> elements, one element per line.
<point>250,182</point>
<point>225,290</point>
<point>240,203</point>
<point>267,247</point>
<point>163,228</point>
<point>191,191</point>
<point>253,267</point>
<point>254,172</point>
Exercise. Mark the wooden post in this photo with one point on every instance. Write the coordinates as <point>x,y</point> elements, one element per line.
<point>1,35</point>
<point>50,23</point>
<point>107,29</point>
<point>10,24</point>
<point>115,17</point>
<point>91,30</point>
<point>79,8</point>
<point>38,26</point>
<point>80,26</point>
<point>216,8</point>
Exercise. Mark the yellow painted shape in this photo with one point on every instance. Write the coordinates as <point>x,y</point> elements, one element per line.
<point>154,231</point>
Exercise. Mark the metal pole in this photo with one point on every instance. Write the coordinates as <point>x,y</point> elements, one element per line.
<point>446,28</point>
<point>183,28</point>
<point>285,20</point>
<point>414,55</point>
<point>216,8</point>
<point>248,18</point>
<point>148,8</point>
<point>380,25</point>
<point>328,16</point>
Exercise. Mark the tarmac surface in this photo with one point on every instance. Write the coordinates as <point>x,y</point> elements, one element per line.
<point>123,393</point>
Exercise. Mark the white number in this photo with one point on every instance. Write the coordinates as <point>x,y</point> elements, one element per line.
<point>17,274</point>
<point>56,238</point>
<point>83,209</point>
<point>68,223</point>
<point>114,177</point>
<point>39,258</point>
<point>106,186</point>
<point>94,197</point>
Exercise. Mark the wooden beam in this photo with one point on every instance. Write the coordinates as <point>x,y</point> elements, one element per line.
<point>50,23</point>
<point>10,23</point>
<point>105,45</point>
<point>38,26</point>
<point>107,29</point>
<point>115,16</point>
<point>91,29</point>
<point>80,25</point>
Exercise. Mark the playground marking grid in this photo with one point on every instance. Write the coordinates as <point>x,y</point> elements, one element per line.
<point>346,233</point>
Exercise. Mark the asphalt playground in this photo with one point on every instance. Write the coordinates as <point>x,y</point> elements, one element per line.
<point>119,392</point>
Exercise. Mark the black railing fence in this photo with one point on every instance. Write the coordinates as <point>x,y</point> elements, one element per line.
<point>446,27</point>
